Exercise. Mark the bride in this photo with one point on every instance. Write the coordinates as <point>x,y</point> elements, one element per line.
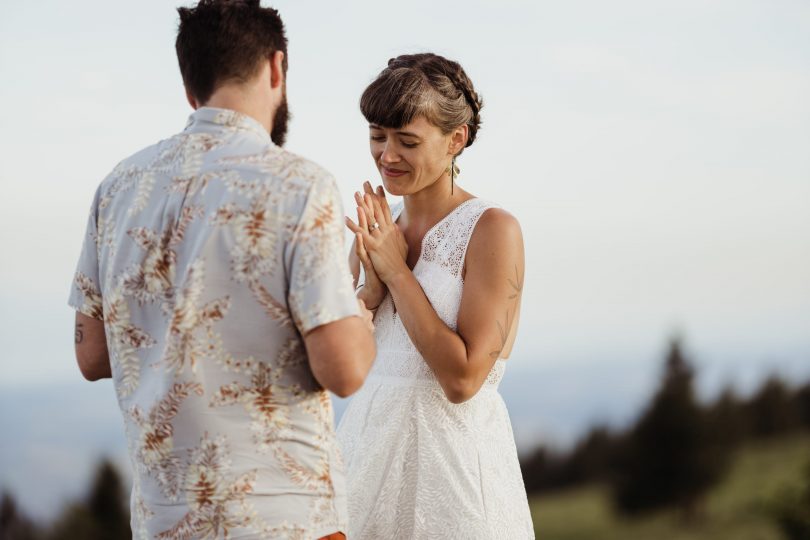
<point>427,442</point>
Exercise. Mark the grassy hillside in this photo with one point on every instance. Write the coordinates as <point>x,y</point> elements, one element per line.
<point>736,508</point>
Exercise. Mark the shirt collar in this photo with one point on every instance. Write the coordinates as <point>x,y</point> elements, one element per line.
<point>212,118</point>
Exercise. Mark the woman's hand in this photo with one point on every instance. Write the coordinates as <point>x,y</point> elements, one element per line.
<point>374,290</point>
<point>380,245</point>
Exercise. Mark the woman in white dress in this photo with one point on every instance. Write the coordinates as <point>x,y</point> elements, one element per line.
<point>427,441</point>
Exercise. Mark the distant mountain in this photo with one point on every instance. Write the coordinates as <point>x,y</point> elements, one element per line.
<point>53,435</point>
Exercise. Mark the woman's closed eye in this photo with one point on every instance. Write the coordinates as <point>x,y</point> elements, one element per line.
<point>381,138</point>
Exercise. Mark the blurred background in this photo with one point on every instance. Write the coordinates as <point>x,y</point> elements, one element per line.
<point>657,155</point>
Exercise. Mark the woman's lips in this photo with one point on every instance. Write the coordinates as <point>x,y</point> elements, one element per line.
<point>393,173</point>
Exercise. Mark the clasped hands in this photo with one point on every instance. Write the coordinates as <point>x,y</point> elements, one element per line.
<point>379,244</point>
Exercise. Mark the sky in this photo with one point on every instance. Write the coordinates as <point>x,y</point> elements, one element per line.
<point>656,154</point>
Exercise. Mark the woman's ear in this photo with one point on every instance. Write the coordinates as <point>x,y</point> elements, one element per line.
<point>458,139</point>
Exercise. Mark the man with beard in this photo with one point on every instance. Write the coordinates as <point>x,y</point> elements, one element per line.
<point>214,290</point>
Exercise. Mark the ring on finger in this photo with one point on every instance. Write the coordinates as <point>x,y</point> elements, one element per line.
<point>374,226</point>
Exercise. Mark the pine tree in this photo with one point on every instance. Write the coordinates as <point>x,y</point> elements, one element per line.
<point>802,399</point>
<point>729,420</point>
<point>671,457</point>
<point>108,503</point>
<point>772,410</point>
<point>104,515</point>
<point>14,525</point>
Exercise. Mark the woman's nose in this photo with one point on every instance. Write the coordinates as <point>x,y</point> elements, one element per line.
<point>389,155</point>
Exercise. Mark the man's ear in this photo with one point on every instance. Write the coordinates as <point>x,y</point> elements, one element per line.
<point>277,69</point>
<point>458,139</point>
<point>191,100</point>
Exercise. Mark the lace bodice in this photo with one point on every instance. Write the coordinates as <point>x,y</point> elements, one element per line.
<point>439,272</point>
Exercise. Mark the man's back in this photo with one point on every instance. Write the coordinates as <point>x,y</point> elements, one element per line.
<point>208,256</point>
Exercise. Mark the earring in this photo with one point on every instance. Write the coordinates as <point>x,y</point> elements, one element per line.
<point>452,174</point>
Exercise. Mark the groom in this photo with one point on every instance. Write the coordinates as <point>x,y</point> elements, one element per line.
<point>213,288</point>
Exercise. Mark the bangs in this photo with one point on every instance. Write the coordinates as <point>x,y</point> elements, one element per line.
<point>395,98</point>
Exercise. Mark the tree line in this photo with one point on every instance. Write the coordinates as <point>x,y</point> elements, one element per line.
<point>671,456</point>
<point>103,514</point>
<point>678,448</point>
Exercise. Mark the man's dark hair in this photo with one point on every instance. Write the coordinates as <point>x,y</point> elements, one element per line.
<point>220,41</point>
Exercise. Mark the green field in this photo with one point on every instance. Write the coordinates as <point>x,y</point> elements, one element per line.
<point>736,509</point>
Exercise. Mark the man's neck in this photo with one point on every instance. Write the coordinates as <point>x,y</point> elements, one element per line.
<point>239,100</point>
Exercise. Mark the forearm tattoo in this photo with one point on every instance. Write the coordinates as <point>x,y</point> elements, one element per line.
<point>505,326</point>
<point>79,336</point>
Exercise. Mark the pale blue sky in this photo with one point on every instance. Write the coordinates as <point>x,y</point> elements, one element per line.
<point>656,153</point>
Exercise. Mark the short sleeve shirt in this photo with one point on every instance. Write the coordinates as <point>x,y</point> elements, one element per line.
<point>208,256</point>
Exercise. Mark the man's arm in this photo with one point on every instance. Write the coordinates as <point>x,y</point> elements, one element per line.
<point>336,327</point>
<point>341,352</point>
<point>91,348</point>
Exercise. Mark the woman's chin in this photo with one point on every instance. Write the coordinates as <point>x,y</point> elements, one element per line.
<point>391,187</point>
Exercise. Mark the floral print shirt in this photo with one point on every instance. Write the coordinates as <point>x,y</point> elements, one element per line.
<point>208,256</point>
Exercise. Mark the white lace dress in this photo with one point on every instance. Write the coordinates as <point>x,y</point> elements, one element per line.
<point>418,466</point>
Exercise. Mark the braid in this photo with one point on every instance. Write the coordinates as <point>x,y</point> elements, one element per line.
<point>464,85</point>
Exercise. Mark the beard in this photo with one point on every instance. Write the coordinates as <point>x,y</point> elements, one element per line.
<point>278,134</point>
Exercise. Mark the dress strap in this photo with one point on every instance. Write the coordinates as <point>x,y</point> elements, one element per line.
<point>447,243</point>
<point>470,219</point>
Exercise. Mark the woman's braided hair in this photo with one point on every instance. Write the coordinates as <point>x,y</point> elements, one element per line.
<point>426,85</point>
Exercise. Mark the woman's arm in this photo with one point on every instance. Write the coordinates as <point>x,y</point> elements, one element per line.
<point>487,317</point>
